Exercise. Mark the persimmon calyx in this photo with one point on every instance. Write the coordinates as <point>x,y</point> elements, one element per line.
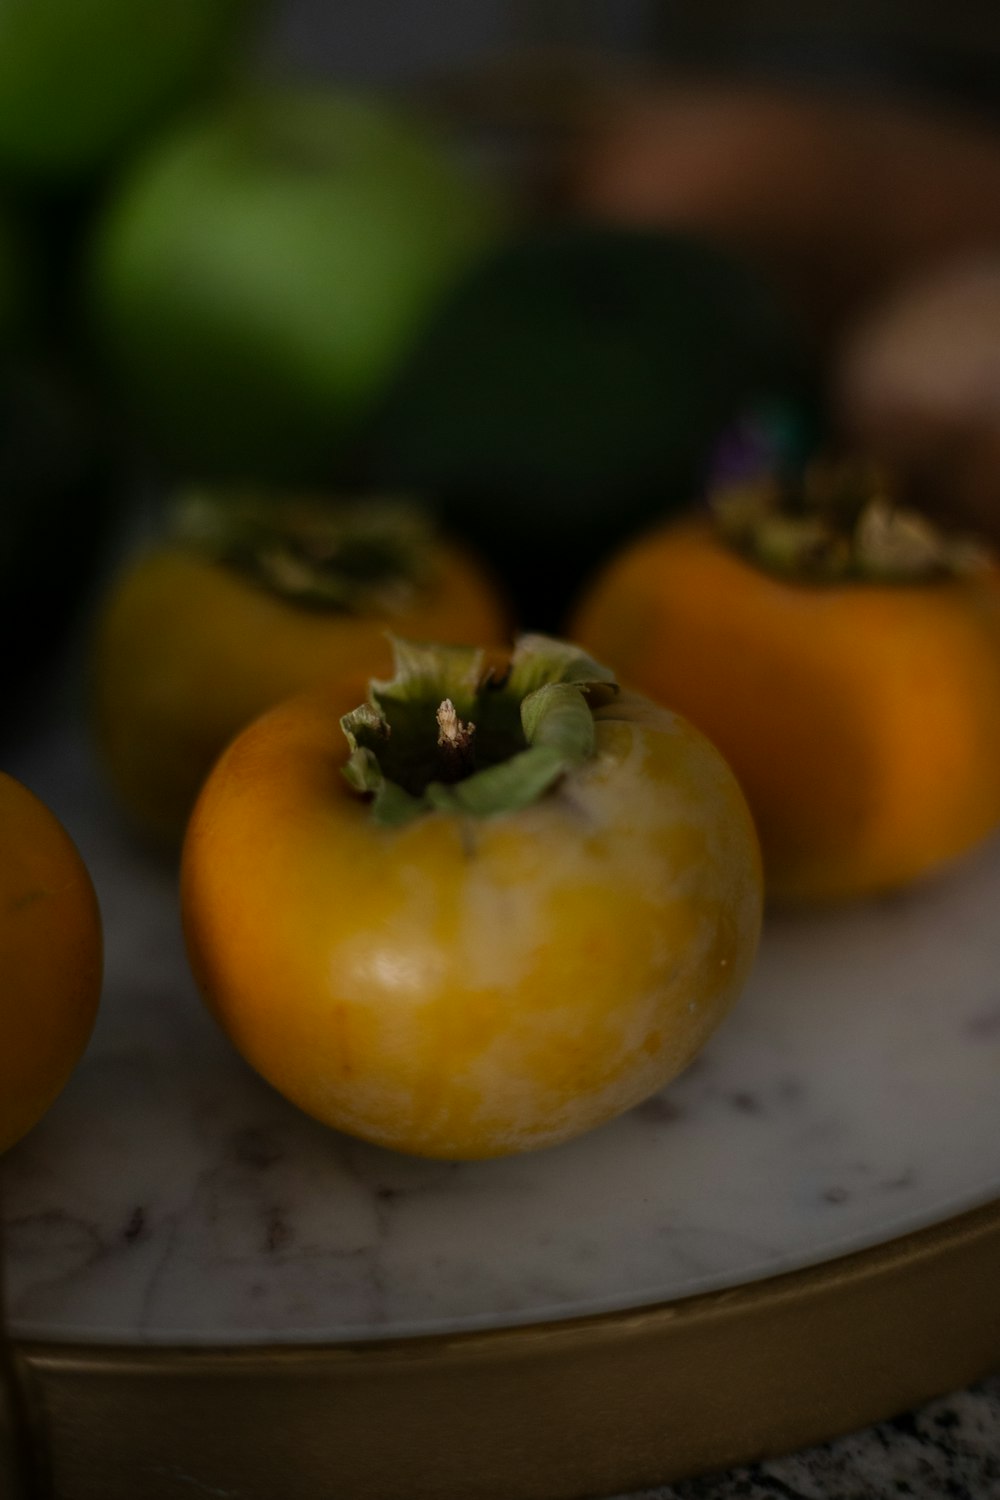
<point>359,556</point>
<point>837,523</point>
<point>412,742</point>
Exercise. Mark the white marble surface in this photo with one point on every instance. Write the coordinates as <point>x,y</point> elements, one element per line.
<point>171,1196</point>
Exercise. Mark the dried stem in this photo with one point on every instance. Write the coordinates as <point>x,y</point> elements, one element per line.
<point>456,743</point>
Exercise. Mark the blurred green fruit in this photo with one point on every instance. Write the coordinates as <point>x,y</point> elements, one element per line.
<point>264,271</point>
<point>570,390</point>
<point>80,79</point>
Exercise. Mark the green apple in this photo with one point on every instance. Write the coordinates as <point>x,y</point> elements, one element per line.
<point>80,78</point>
<point>262,273</point>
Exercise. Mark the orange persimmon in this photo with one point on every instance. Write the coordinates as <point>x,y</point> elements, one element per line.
<point>202,633</point>
<point>862,718</point>
<point>524,907</point>
<point>50,958</point>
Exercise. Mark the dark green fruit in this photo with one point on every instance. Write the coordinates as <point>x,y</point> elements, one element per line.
<point>570,390</point>
<point>80,79</point>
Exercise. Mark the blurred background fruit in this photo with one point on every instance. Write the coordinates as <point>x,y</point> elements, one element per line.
<point>264,268</point>
<point>249,599</point>
<point>79,87</point>
<point>570,388</point>
<point>917,382</point>
<point>835,192</point>
<point>843,657</point>
<point>81,82</point>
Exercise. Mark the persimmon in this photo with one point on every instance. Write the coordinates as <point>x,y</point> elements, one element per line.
<point>851,681</point>
<point>249,601</point>
<point>50,958</point>
<point>524,909</point>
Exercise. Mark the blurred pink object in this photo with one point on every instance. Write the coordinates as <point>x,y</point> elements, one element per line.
<point>838,194</point>
<point>918,383</point>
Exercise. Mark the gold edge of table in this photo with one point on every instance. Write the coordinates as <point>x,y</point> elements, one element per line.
<point>588,1406</point>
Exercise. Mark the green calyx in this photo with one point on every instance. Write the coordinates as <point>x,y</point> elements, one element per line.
<point>448,733</point>
<point>358,556</point>
<point>838,523</point>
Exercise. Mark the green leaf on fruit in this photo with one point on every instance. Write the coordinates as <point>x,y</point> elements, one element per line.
<point>447,734</point>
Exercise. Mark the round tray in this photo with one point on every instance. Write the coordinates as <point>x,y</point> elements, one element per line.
<point>205,1288</point>
<point>586,1406</point>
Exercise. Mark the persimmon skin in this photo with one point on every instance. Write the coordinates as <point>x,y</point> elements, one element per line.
<point>189,651</point>
<point>51,959</point>
<point>468,987</point>
<point>862,719</point>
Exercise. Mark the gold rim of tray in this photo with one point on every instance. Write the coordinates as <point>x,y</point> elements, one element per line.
<point>587,1406</point>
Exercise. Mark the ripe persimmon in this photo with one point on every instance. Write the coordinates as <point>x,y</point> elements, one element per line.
<point>253,601</point>
<point>524,909</point>
<point>857,701</point>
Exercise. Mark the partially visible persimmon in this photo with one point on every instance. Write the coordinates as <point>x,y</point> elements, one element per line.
<point>855,692</point>
<point>254,600</point>
<point>50,958</point>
